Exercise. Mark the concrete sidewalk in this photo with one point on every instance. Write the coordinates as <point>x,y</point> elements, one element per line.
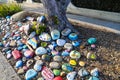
<point>83,20</point>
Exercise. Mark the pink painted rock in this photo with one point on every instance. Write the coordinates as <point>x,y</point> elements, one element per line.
<point>28,54</point>
<point>16,54</point>
<point>47,73</point>
<point>58,78</point>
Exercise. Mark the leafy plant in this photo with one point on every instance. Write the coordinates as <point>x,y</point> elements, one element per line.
<point>9,9</point>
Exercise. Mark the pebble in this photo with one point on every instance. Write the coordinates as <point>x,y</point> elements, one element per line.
<point>82,63</point>
<point>28,54</point>
<point>24,59</point>
<point>82,47</point>
<point>41,78</point>
<point>20,71</point>
<point>16,54</point>
<point>13,43</point>
<point>47,73</point>
<point>58,78</point>
<point>75,54</point>
<point>25,68</point>
<point>93,78</point>
<point>37,58</point>
<point>56,72</point>
<point>41,19</point>
<point>95,72</point>
<point>45,37</point>
<point>54,65</point>
<point>67,67</point>
<point>71,75</point>
<point>66,32</point>
<point>33,42</point>
<point>92,40</point>
<point>83,72</point>
<point>46,57</point>
<point>40,51</point>
<point>57,58</point>
<point>91,56</point>
<point>68,46</point>
<point>43,44</point>
<point>9,56</point>
<point>55,34</point>
<point>60,42</point>
<point>63,74</point>
<point>73,36</point>
<point>37,67</point>
<point>19,63</point>
<point>75,43</point>
<point>32,34</point>
<point>73,62</point>
<point>39,62</point>
<point>30,74</point>
<point>54,53</point>
<point>29,62</point>
<point>65,53</point>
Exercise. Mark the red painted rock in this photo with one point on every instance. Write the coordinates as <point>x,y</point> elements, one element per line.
<point>58,78</point>
<point>47,73</point>
<point>16,54</point>
<point>28,54</point>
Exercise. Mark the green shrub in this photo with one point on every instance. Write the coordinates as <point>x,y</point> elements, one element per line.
<point>9,9</point>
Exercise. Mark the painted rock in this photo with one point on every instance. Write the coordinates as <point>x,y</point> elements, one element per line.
<point>40,51</point>
<point>57,58</point>
<point>61,42</point>
<point>73,62</point>
<point>56,72</point>
<point>1,44</point>
<point>19,48</point>
<point>58,78</point>
<point>46,57</point>
<point>29,62</point>
<point>63,74</point>
<point>43,44</point>
<point>75,54</point>
<point>39,62</point>
<point>41,78</point>
<point>93,46</point>
<point>51,47</point>
<point>66,32</point>
<point>28,54</point>
<point>73,36</point>
<point>16,54</point>
<point>7,35</point>
<point>37,58</point>
<point>33,42</point>
<point>67,67</point>
<point>47,73</point>
<point>83,72</point>
<point>13,43</point>
<point>19,64</point>
<point>8,52</point>
<point>30,74</point>
<point>91,56</point>
<point>26,28</point>
<point>19,24</point>
<point>37,67</point>
<point>25,68</point>
<point>92,40</point>
<point>55,34</point>
<point>24,59</point>
<point>82,63</point>
<point>68,46</point>
<point>41,19</point>
<point>45,37</point>
<point>32,34</point>
<point>95,72</point>
<point>71,75</point>
<point>9,56</point>
<point>54,44</point>
<point>20,71</point>
<point>75,43</point>
<point>55,53</point>
<point>93,78</point>
<point>54,65</point>
<point>65,53</point>
<point>24,47</point>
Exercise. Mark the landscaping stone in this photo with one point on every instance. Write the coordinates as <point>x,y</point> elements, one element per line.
<point>57,58</point>
<point>33,42</point>
<point>92,40</point>
<point>68,46</point>
<point>67,67</point>
<point>55,34</point>
<point>71,75</point>
<point>95,72</point>
<point>73,62</point>
<point>40,51</point>
<point>61,42</point>
<point>58,78</point>
<point>45,37</point>
<point>19,64</point>
<point>54,65</point>
<point>56,72</point>
<point>66,32</point>
<point>75,54</point>
<point>20,71</point>
<point>16,54</point>
<point>73,36</point>
<point>30,74</point>
<point>83,72</point>
<point>28,54</point>
<point>93,78</point>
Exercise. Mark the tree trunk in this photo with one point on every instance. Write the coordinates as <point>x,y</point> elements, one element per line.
<point>56,14</point>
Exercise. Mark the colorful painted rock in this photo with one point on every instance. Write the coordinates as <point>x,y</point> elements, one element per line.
<point>43,44</point>
<point>58,78</point>
<point>73,36</point>
<point>45,37</point>
<point>57,58</point>
<point>83,72</point>
<point>71,75</point>
<point>47,74</point>
<point>95,72</point>
<point>1,44</point>
<point>56,72</point>
<point>30,74</point>
<point>68,46</point>
<point>28,54</point>
<point>65,53</point>
<point>54,65</point>
<point>19,64</point>
<point>29,62</point>
<point>82,63</point>
<point>32,34</point>
<point>46,57</point>
<point>75,43</point>
<point>41,19</point>
<point>75,54</point>
<point>55,34</point>
<point>9,56</point>
<point>91,56</point>
<point>33,42</point>
<point>60,42</point>
<point>16,54</point>
<point>55,53</point>
<point>13,43</point>
<point>67,67</point>
<point>93,78</point>
<point>40,51</point>
<point>37,67</point>
<point>92,40</point>
<point>66,32</point>
<point>73,62</point>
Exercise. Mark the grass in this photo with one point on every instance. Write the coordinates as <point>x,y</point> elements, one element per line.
<point>9,9</point>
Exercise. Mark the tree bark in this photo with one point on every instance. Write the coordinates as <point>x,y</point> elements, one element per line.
<point>56,14</point>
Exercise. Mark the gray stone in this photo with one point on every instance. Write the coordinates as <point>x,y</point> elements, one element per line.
<point>54,65</point>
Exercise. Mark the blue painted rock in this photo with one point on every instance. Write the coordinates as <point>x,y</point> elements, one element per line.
<point>1,44</point>
<point>54,53</point>
<point>71,75</point>
<point>75,54</point>
<point>92,40</point>
<point>68,46</point>
<point>30,74</point>
<point>19,43</point>
<point>7,44</point>
<point>28,54</point>
<point>45,37</point>
<point>65,53</point>
<point>32,34</point>
<point>73,36</point>
<point>95,72</point>
<point>41,19</point>
<point>40,51</point>
<point>47,73</point>
<point>57,58</point>
<point>7,35</point>
<point>55,34</point>
<point>46,57</point>
<point>19,48</point>
<point>25,47</point>
<point>54,44</point>
<point>83,72</point>
<point>19,24</point>
<point>19,64</point>
<point>75,43</point>
<point>67,67</point>
<point>8,52</point>
<point>66,32</point>
<point>93,78</point>
<point>33,42</point>
<point>60,42</point>
<point>54,65</point>
<point>37,67</point>
<point>16,54</point>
